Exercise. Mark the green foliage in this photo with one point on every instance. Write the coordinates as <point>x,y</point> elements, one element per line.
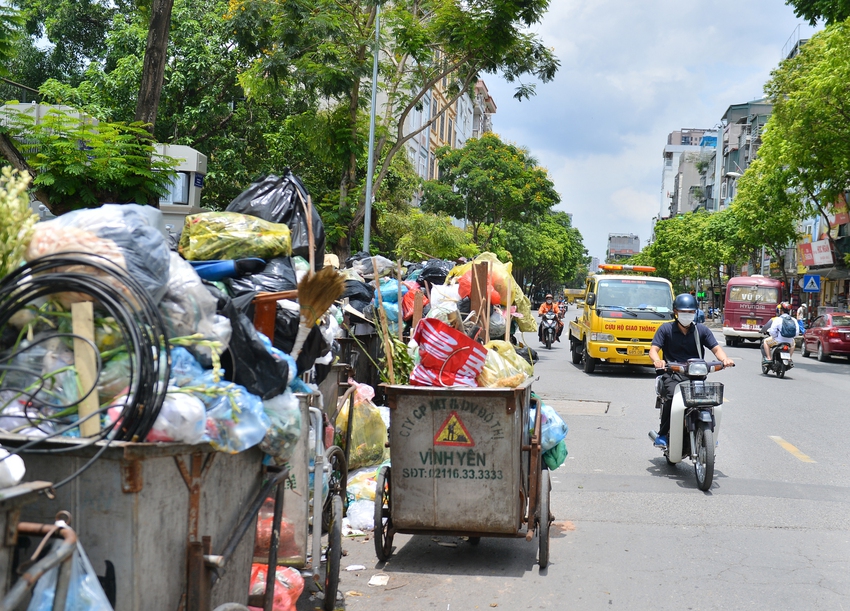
<point>830,11</point>
<point>414,235</point>
<point>10,29</point>
<point>489,181</point>
<point>548,252</point>
<point>81,164</point>
<point>805,162</point>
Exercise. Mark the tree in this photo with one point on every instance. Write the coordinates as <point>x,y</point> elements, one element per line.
<point>830,11</point>
<point>10,29</point>
<point>327,46</point>
<point>489,181</point>
<point>414,235</point>
<point>548,252</point>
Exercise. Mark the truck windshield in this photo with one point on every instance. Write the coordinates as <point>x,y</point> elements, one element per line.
<point>750,294</point>
<point>637,293</point>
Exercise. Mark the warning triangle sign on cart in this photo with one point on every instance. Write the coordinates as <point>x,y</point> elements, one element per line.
<point>453,433</point>
<point>811,285</point>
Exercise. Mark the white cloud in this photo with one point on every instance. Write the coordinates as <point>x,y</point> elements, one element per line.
<point>633,71</point>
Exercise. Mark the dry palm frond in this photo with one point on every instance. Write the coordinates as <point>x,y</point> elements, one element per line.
<point>315,295</point>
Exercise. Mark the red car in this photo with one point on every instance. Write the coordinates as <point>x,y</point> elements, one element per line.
<point>829,335</point>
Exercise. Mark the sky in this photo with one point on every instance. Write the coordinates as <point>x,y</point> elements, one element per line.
<point>631,72</point>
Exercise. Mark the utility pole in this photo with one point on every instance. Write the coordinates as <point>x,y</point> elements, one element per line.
<point>370,165</point>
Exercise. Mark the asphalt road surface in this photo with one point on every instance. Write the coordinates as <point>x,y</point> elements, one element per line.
<point>632,532</point>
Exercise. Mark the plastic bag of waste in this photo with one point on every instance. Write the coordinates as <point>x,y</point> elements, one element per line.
<point>236,420</point>
<point>364,267</point>
<point>553,429</point>
<point>182,418</point>
<point>361,484</point>
<point>277,276</point>
<point>368,432</point>
<point>447,356</point>
<point>503,367</point>
<point>84,590</point>
<point>228,235</point>
<point>555,457</point>
<point>284,413</point>
<point>288,586</point>
<point>435,271</point>
<point>188,308</point>
<point>282,199</point>
<point>12,469</point>
<point>287,547</point>
<point>114,377</point>
<point>129,227</point>
<point>361,515</point>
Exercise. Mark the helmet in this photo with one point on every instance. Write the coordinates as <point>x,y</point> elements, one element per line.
<point>549,296</point>
<point>685,301</point>
<point>785,307</point>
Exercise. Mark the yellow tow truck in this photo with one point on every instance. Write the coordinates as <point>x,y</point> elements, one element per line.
<point>620,315</point>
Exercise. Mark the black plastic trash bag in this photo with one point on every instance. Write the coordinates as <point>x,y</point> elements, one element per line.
<point>286,328</point>
<point>247,362</point>
<point>283,199</point>
<point>277,276</point>
<point>436,270</point>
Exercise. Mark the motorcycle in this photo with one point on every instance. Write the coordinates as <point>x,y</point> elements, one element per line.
<point>694,417</point>
<point>780,361</point>
<point>549,328</point>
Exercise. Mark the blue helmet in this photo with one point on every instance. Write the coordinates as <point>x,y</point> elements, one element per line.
<point>685,301</point>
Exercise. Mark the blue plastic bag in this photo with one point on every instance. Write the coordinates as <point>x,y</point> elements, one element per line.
<point>389,292</point>
<point>553,429</point>
<point>236,420</point>
<point>284,413</point>
<point>84,590</point>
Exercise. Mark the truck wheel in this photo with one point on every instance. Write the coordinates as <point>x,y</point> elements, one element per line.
<point>575,352</point>
<point>589,361</point>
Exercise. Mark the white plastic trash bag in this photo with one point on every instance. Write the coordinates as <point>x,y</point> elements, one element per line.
<point>84,590</point>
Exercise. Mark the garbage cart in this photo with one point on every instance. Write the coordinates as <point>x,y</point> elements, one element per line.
<point>465,461</point>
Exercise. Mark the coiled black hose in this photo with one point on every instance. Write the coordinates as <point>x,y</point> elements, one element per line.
<point>117,295</point>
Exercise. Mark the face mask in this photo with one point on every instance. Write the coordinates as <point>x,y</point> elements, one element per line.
<point>549,301</point>
<point>686,319</point>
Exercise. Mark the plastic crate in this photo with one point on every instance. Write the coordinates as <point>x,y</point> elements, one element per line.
<point>698,394</point>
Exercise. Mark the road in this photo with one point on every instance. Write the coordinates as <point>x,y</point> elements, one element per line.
<point>635,533</point>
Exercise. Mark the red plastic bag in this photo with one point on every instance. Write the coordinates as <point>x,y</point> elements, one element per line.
<point>447,356</point>
<point>409,298</point>
<point>287,547</point>
<point>465,288</point>
<point>288,588</point>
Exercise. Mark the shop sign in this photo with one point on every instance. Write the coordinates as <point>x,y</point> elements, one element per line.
<point>821,253</point>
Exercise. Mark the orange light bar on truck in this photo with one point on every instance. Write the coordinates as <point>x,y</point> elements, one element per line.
<point>627,268</point>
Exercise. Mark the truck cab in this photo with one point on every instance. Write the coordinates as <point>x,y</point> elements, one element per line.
<point>620,315</point>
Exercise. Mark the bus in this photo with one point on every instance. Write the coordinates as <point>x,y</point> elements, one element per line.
<point>750,302</point>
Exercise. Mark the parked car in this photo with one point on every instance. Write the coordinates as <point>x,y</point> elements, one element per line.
<point>828,335</point>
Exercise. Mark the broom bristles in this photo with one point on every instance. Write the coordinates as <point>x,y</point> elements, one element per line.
<point>318,292</point>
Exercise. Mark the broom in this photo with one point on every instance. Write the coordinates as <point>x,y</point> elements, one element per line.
<point>316,293</point>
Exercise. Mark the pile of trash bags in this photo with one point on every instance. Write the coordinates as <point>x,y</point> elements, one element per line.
<point>228,385</point>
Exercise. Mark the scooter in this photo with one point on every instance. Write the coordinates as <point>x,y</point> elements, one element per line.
<point>549,328</point>
<point>780,361</point>
<point>694,417</point>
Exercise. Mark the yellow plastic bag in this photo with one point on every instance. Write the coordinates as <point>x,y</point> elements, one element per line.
<point>368,431</point>
<point>503,367</point>
<point>229,235</point>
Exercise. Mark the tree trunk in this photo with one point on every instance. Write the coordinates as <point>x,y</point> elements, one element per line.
<point>156,52</point>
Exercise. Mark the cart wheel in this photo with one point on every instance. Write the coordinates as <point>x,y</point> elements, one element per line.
<point>337,483</point>
<point>334,552</point>
<point>383,516</point>
<point>543,519</point>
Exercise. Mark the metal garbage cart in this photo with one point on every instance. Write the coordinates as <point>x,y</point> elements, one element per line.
<point>156,512</point>
<point>294,517</point>
<point>465,461</point>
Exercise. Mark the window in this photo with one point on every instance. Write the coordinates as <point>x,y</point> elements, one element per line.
<point>442,127</point>
<point>432,169</point>
<point>434,110</point>
<point>450,134</point>
<point>753,294</point>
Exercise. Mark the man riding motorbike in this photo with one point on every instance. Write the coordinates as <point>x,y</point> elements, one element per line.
<point>550,306</point>
<point>680,340</point>
<point>773,328</point>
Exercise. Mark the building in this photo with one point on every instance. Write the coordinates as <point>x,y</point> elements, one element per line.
<point>594,265</point>
<point>743,125</point>
<point>684,142</point>
<point>621,246</point>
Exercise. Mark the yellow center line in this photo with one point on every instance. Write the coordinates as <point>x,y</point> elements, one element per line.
<point>791,449</point>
